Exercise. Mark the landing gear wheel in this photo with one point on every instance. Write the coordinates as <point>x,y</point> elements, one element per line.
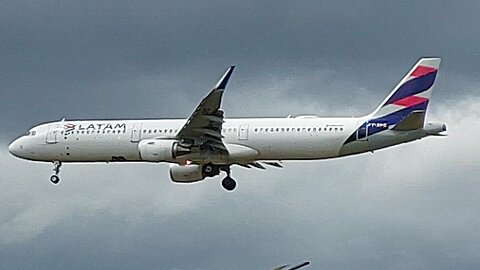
<point>56,169</point>
<point>54,179</point>
<point>228,183</point>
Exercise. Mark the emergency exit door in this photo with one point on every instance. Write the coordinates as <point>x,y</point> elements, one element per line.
<point>243,132</point>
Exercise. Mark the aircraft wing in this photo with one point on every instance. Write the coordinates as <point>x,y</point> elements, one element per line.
<point>204,126</point>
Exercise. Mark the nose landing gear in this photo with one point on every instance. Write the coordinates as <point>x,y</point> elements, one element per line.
<point>56,169</point>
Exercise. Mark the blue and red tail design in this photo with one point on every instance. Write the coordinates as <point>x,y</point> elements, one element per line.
<point>413,91</point>
<point>405,106</point>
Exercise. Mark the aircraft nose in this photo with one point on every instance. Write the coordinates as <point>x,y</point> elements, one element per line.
<point>15,148</point>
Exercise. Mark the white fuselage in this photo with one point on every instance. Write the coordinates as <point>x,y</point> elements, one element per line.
<point>297,138</point>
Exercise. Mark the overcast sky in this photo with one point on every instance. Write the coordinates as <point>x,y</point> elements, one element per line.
<point>413,206</point>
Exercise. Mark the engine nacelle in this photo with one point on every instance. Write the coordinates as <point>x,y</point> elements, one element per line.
<point>157,150</point>
<point>186,173</point>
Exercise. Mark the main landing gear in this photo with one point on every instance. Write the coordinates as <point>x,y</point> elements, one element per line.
<point>211,170</point>
<point>56,169</point>
<point>228,182</point>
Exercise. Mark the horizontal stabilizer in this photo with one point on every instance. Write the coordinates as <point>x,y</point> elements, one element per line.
<point>414,120</point>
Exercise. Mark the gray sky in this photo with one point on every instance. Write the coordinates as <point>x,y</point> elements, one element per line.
<point>414,206</point>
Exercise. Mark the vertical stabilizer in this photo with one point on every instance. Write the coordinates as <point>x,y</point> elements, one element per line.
<point>405,106</point>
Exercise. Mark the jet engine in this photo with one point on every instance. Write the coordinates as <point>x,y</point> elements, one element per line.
<point>156,150</point>
<point>186,173</point>
<point>193,172</point>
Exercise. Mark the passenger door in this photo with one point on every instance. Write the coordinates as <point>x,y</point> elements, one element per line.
<point>52,135</point>
<point>362,132</point>
<point>136,132</point>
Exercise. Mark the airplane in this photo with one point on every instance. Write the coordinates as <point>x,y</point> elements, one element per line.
<point>283,267</point>
<point>207,143</point>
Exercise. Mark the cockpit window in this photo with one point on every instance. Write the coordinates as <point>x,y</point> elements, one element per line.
<point>31,133</point>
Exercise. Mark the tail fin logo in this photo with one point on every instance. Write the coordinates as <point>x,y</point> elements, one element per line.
<point>410,97</point>
<point>413,92</point>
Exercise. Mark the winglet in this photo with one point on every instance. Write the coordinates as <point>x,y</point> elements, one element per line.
<point>222,83</point>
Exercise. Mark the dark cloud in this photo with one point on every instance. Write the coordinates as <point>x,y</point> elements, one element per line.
<point>412,206</point>
<point>130,59</point>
